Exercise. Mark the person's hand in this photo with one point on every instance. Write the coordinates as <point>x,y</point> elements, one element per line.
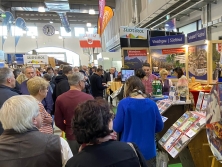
<point>114,135</point>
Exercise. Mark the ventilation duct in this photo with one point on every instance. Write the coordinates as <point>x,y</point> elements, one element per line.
<point>60,7</point>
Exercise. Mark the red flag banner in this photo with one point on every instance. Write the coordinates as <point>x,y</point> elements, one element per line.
<point>102,4</point>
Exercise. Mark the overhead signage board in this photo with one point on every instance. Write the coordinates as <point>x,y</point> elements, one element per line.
<point>197,36</point>
<point>133,33</point>
<point>35,59</point>
<point>167,40</point>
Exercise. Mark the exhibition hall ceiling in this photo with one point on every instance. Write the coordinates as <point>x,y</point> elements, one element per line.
<point>77,11</point>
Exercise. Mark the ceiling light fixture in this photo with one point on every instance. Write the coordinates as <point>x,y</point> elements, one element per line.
<point>92,11</point>
<point>56,32</point>
<point>41,9</point>
<point>88,24</point>
<point>51,22</point>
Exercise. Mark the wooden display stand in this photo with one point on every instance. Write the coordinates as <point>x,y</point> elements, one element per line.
<point>200,151</point>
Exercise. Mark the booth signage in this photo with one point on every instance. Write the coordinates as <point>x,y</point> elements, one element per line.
<point>197,36</point>
<point>133,33</point>
<point>167,40</point>
<point>36,59</point>
<point>19,59</point>
<point>132,53</point>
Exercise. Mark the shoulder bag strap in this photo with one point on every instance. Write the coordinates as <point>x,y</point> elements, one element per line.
<point>131,145</point>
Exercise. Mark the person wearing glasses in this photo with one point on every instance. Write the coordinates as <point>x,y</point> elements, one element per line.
<point>38,88</point>
<point>166,83</point>
<point>65,105</point>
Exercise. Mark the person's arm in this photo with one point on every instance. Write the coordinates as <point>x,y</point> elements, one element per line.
<point>49,102</point>
<point>66,151</point>
<point>170,83</point>
<point>59,117</point>
<point>159,121</point>
<point>45,116</point>
<point>118,122</point>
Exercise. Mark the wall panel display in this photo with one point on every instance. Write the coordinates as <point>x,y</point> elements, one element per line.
<point>168,58</point>
<point>197,61</point>
<point>216,59</point>
<point>134,58</point>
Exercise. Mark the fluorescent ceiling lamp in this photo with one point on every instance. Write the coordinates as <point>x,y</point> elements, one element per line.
<point>105,58</point>
<point>56,32</point>
<point>92,11</point>
<point>88,24</point>
<point>41,9</point>
<point>51,22</point>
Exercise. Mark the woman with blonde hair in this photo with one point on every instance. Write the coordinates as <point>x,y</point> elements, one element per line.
<point>166,83</point>
<point>38,88</point>
<point>138,119</point>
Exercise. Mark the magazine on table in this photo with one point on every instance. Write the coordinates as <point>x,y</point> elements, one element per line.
<point>204,104</point>
<point>182,131</point>
<point>163,105</point>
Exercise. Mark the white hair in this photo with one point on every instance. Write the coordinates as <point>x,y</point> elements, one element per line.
<point>18,112</point>
<point>75,78</point>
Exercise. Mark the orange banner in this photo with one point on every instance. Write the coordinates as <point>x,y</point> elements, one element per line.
<point>173,50</point>
<point>108,14</point>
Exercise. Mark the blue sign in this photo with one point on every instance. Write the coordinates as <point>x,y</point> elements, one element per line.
<point>19,58</point>
<point>197,36</point>
<point>20,23</point>
<point>2,64</point>
<point>167,40</point>
<point>9,58</point>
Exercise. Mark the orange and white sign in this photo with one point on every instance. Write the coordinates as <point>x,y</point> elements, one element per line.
<point>108,14</point>
<point>90,41</point>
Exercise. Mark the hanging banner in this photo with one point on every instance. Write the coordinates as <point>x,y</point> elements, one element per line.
<point>19,23</point>
<point>90,41</point>
<point>108,14</point>
<point>197,36</point>
<point>167,40</point>
<point>170,25</point>
<point>102,4</point>
<point>7,21</point>
<point>36,59</point>
<point>133,33</point>
<point>2,59</point>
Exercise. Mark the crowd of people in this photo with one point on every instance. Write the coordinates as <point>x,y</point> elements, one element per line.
<point>32,100</point>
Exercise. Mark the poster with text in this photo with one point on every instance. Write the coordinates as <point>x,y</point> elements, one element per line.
<point>168,58</point>
<point>197,62</point>
<point>134,59</point>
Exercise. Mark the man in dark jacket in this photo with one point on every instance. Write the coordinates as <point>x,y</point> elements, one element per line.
<point>7,85</point>
<point>61,82</point>
<point>96,84</point>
